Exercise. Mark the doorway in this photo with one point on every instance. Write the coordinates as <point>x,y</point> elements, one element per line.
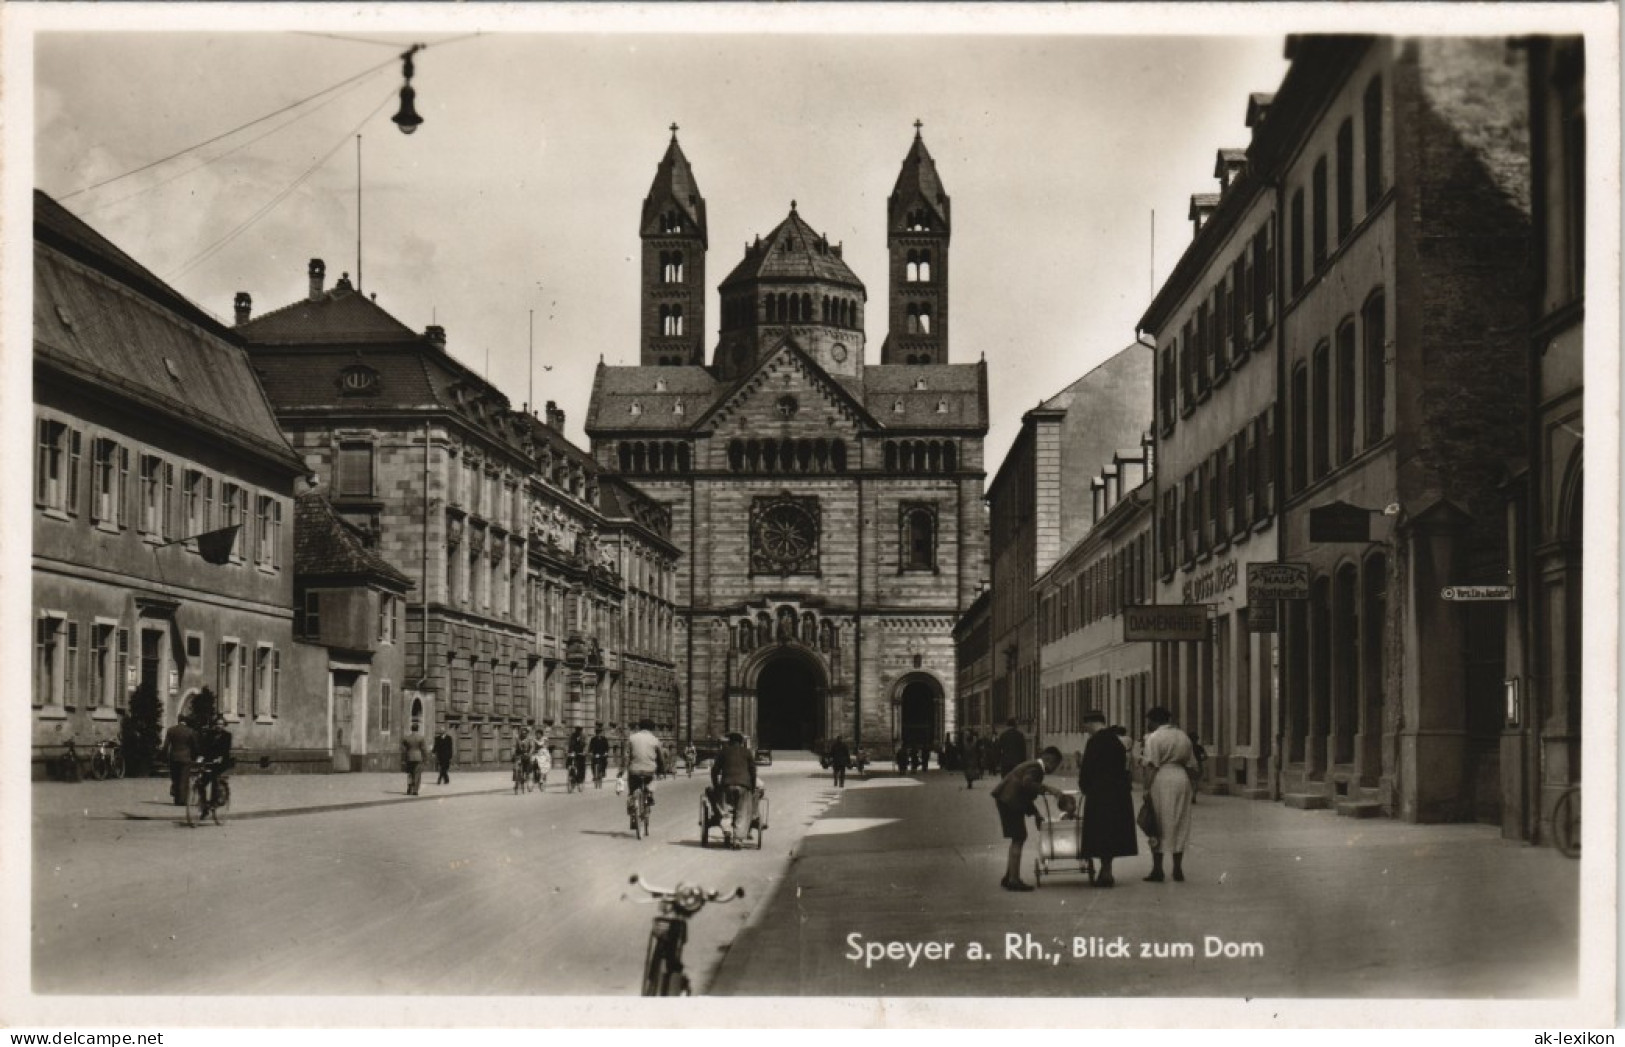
<point>918,715</point>
<point>789,704</point>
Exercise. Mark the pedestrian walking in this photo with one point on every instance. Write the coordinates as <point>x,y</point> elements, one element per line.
<point>442,755</point>
<point>971,752</point>
<point>412,757</point>
<point>1012,747</point>
<point>1108,791</point>
<point>1014,797</point>
<point>1170,761</point>
<point>840,758</point>
<point>733,784</point>
<point>180,748</point>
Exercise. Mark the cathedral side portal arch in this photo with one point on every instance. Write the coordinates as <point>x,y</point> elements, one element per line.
<point>918,710</point>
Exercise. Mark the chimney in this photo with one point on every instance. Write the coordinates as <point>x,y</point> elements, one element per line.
<point>435,335</point>
<point>318,270</point>
<point>244,305</point>
<point>555,417</point>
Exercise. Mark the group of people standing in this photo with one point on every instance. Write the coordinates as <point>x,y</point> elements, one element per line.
<point>1106,783</point>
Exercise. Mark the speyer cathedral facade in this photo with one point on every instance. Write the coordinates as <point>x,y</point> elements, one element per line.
<point>828,507</point>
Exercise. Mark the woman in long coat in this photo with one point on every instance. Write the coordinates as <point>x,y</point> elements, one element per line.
<point>1171,762</point>
<point>1108,811</point>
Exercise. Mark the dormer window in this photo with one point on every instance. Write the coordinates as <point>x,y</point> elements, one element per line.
<point>942,406</point>
<point>358,380</point>
<point>897,407</point>
<point>919,383</point>
<point>677,408</point>
<point>637,407</point>
<point>660,385</point>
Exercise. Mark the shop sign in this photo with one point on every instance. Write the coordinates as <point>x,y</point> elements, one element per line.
<point>1261,617</point>
<point>1165,622</point>
<point>1478,592</point>
<point>1210,583</point>
<point>1277,581</point>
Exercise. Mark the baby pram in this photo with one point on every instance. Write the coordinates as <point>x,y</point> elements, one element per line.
<point>1060,841</point>
<point>712,814</point>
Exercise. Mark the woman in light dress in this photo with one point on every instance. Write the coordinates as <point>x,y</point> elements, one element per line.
<point>1170,761</point>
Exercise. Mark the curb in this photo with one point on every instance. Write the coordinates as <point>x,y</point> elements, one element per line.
<point>283,812</point>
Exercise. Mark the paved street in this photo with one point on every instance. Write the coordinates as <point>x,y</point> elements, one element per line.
<point>471,890</point>
<point>467,889</point>
<point>1297,903</point>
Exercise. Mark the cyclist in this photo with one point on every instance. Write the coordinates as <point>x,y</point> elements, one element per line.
<point>691,757</point>
<point>576,754</point>
<point>214,749</point>
<point>598,748</point>
<point>524,750</point>
<point>641,761</point>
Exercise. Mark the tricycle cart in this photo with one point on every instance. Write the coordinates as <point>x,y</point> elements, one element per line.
<point>711,815</point>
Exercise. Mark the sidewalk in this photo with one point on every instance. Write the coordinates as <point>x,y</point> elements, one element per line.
<point>262,795</point>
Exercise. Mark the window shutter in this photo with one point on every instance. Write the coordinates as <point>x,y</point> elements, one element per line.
<point>121,507</point>
<point>70,499</point>
<point>42,461</point>
<point>70,669</point>
<point>242,680</point>
<point>121,668</point>
<point>276,680</point>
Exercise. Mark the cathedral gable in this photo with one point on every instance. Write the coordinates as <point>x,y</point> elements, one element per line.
<point>787,391</point>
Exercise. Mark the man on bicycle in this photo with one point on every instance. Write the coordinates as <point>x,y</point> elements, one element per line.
<point>214,749</point>
<point>640,760</point>
<point>598,748</point>
<point>576,756</point>
<point>524,755</point>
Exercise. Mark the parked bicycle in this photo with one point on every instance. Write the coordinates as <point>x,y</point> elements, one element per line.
<point>107,760</point>
<point>663,973</point>
<point>1566,822</point>
<point>208,792</point>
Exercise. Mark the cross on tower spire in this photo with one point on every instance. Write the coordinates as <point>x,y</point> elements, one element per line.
<point>917,126</point>
<point>674,131</point>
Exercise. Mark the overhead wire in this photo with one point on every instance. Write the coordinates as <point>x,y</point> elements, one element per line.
<point>227,134</point>
<point>214,248</point>
<point>229,152</point>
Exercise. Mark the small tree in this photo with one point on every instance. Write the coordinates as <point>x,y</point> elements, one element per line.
<point>202,709</point>
<point>143,731</point>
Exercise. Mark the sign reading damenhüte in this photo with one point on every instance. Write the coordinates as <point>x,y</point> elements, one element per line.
<point>1165,622</point>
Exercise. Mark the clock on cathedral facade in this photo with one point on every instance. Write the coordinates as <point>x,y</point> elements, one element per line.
<point>828,507</point>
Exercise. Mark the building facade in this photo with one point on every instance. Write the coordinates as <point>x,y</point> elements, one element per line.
<point>826,508</point>
<point>1085,664</point>
<point>1399,175</point>
<point>973,659</point>
<point>1038,506</point>
<point>1540,745</point>
<point>150,431</point>
<point>1213,322</point>
<point>516,618</point>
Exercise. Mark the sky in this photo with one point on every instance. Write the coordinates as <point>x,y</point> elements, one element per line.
<point>514,208</point>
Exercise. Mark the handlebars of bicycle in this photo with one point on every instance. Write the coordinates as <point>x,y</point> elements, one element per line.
<point>686,894</point>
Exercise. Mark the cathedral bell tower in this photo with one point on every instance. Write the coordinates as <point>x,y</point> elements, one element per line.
<point>672,299</point>
<point>917,228</point>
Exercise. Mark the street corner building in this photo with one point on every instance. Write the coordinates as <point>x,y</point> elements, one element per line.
<point>163,545</point>
<point>542,589</point>
<point>1362,380</point>
<point>828,510</point>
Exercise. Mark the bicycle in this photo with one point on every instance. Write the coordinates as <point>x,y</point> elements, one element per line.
<point>576,779</point>
<point>107,760</point>
<point>1566,822</point>
<point>521,775</point>
<point>208,793</point>
<point>663,973</point>
<point>637,806</point>
<point>600,764</point>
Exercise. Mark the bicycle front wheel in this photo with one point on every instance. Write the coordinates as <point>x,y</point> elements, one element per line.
<point>117,762</point>
<point>197,800</point>
<point>222,800</point>
<point>100,767</point>
<point>662,972</point>
<point>1566,823</point>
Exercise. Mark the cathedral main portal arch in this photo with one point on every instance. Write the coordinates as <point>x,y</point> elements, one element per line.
<point>791,691</point>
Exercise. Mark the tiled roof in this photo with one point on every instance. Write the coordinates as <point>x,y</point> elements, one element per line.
<point>114,325</point>
<point>934,396</point>
<point>339,316</point>
<point>324,546</point>
<point>616,389</point>
<point>793,251</point>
